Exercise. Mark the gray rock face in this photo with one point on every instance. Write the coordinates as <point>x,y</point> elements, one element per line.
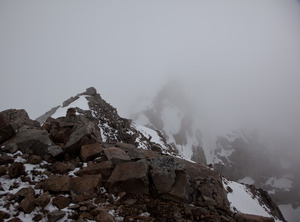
<point>131,177</point>
<point>30,141</point>
<point>170,179</point>
<point>55,151</point>
<point>18,118</point>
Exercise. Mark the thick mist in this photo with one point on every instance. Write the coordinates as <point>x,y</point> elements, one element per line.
<point>238,61</point>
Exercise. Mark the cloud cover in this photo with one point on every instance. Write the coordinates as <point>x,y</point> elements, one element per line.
<point>238,60</point>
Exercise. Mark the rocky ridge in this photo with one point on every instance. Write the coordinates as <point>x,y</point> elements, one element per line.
<point>68,169</point>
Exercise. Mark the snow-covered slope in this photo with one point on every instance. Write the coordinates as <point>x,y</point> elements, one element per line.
<point>243,200</point>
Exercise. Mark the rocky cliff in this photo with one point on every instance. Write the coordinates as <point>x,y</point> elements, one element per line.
<point>92,165</point>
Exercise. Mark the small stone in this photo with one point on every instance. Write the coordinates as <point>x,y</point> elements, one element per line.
<point>56,215</point>
<point>61,202</point>
<point>16,219</point>
<point>86,215</point>
<point>55,151</point>
<point>83,208</point>
<point>43,200</point>
<point>4,160</point>
<point>90,151</point>
<point>34,159</point>
<point>73,207</point>
<point>28,204</point>
<point>16,169</point>
<point>37,217</point>
<point>3,215</point>
<point>59,167</point>
<point>105,217</point>
<point>2,171</point>
<point>24,192</point>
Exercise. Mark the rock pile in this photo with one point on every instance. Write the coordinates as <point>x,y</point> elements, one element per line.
<point>63,170</point>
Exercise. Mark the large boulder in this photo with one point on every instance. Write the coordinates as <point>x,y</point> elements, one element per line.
<point>43,200</point>
<point>56,183</point>
<point>207,183</point>
<point>6,129</point>
<point>116,155</point>
<point>30,141</point>
<point>85,185</point>
<point>28,204</point>
<point>88,133</point>
<point>16,169</point>
<point>170,179</point>
<point>90,151</point>
<point>104,168</point>
<point>131,177</point>
<point>18,118</point>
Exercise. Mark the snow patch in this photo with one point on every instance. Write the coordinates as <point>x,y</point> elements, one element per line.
<point>241,200</point>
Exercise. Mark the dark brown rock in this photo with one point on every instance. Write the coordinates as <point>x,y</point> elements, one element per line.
<point>6,129</point>
<point>131,177</point>
<point>116,155</point>
<point>56,215</point>
<point>104,168</point>
<point>34,159</point>
<point>59,167</point>
<point>3,215</point>
<point>56,183</point>
<point>91,151</point>
<point>28,204</point>
<point>16,219</point>
<point>16,169</point>
<point>86,215</point>
<point>43,199</point>
<point>2,170</point>
<point>24,192</point>
<point>4,160</point>
<point>85,185</point>
<point>37,217</point>
<point>61,202</point>
<point>240,217</point>
<point>104,216</point>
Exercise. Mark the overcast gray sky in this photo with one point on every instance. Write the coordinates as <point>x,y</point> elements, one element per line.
<point>239,60</point>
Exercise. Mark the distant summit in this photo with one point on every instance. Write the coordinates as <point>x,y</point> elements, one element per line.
<point>171,113</point>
